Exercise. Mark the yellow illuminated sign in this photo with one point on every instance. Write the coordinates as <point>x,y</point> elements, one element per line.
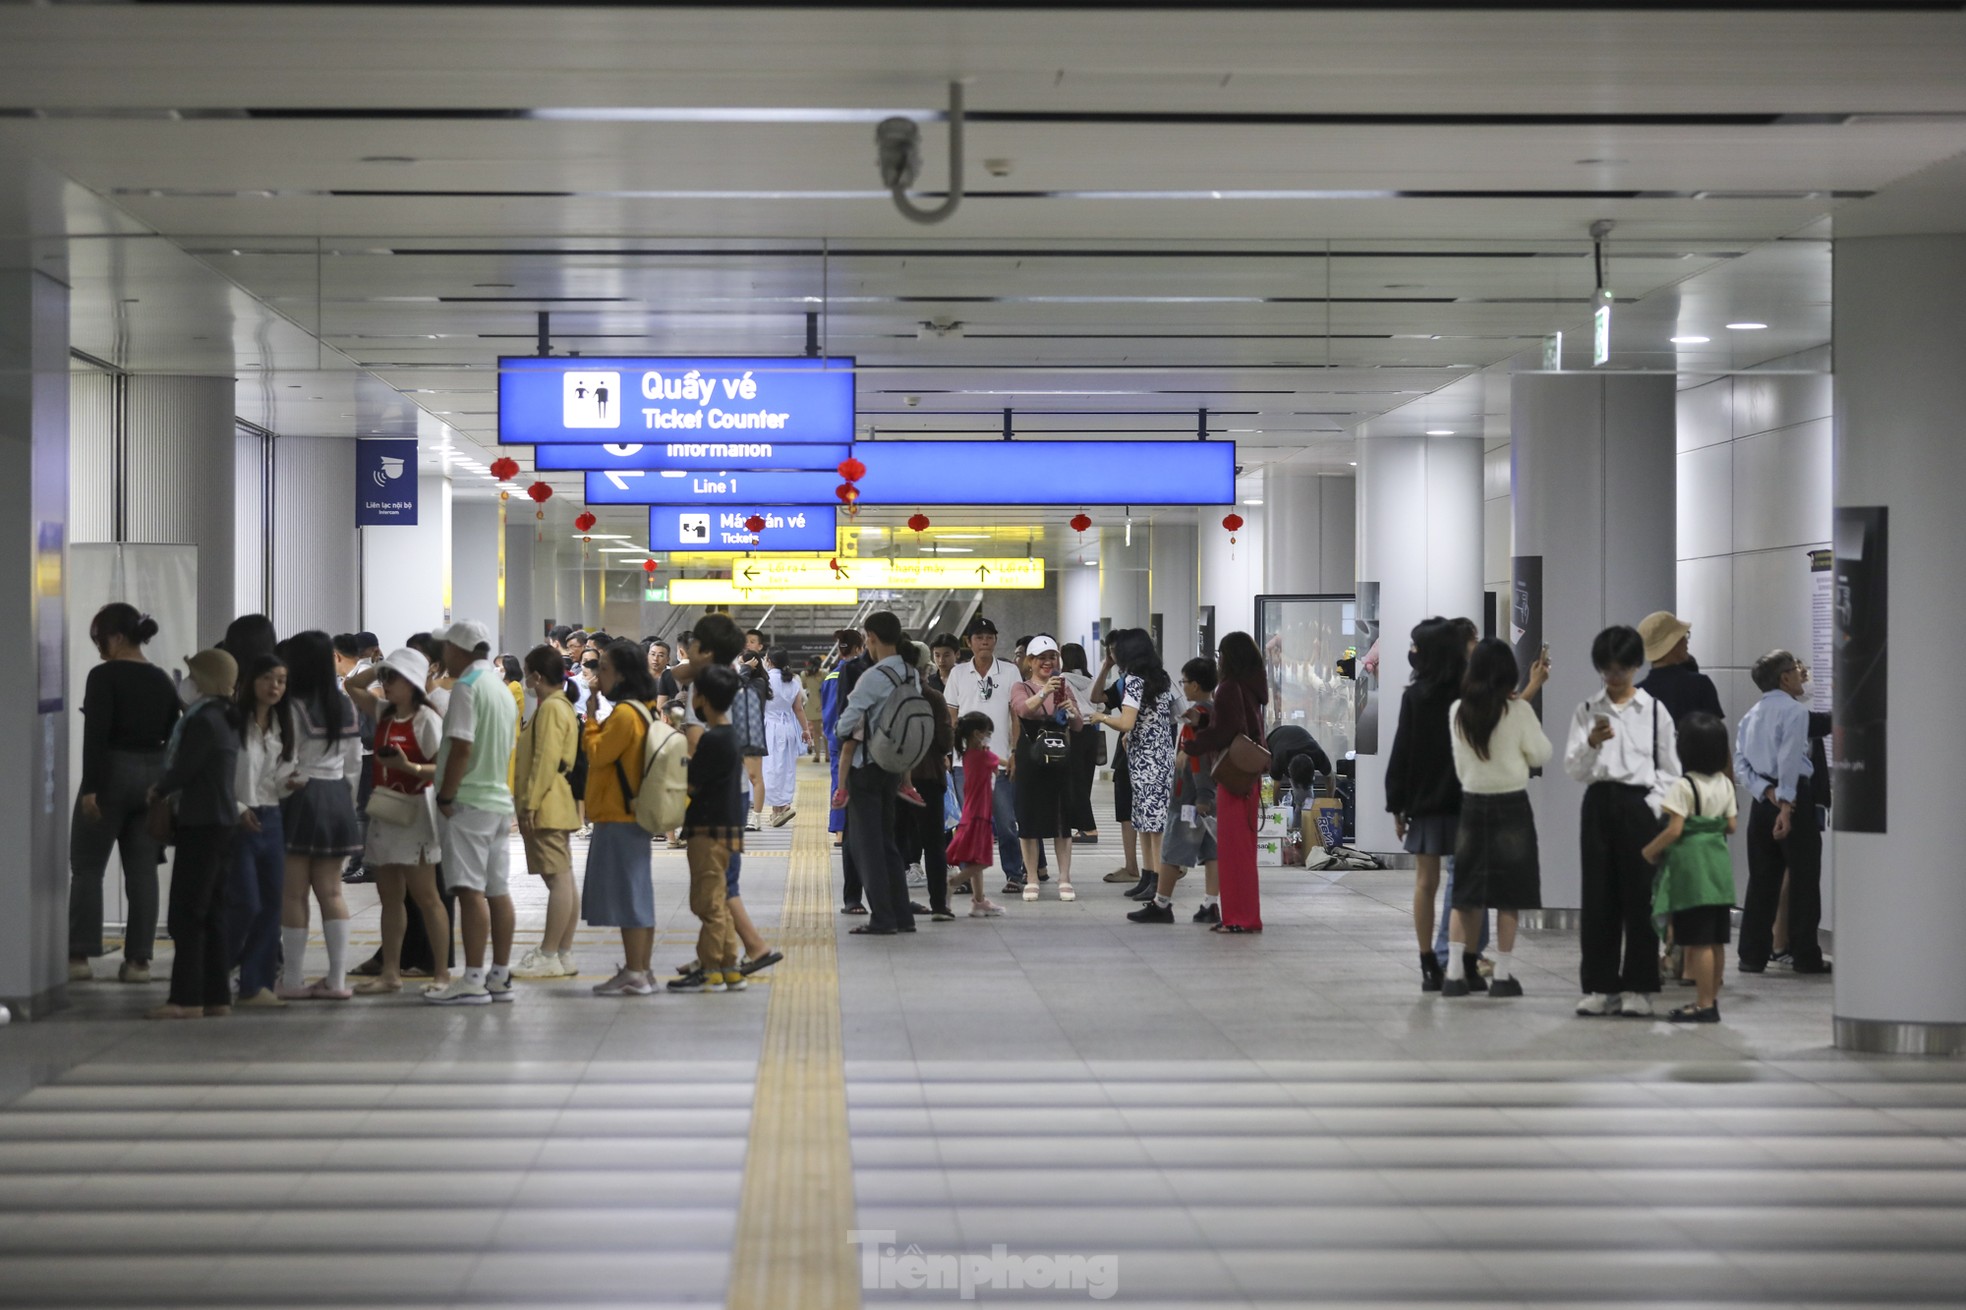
<point>718,591</point>
<point>892,574</point>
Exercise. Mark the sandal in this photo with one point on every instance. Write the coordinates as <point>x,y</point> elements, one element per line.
<point>1030,892</point>
<point>1065,892</point>
<point>377,987</point>
<point>854,909</point>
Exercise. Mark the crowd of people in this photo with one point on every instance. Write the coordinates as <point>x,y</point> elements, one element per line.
<point>1660,776</point>
<point>282,770</point>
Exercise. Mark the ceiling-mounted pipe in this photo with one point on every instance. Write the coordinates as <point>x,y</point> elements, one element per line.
<point>899,141</point>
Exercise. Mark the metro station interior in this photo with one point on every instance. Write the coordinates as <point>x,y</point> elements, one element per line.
<point>1094,327</point>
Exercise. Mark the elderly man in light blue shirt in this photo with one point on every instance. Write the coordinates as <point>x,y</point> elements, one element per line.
<point>1771,760</point>
<point>869,792</point>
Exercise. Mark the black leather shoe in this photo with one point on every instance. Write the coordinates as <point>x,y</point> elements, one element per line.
<point>1504,987</point>
<point>1454,987</point>
<point>1209,914</point>
<point>1152,913</point>
<point>1470,962</point>
<point>1430,972</point>
<point>1145,888</point>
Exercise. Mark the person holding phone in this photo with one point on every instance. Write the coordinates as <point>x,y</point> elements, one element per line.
<point>1623,748</point>
<point>1048,712</point>
<point>401,845</point>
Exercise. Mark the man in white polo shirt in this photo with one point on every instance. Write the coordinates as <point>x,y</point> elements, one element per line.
<point>981,685</point>
<point>475,799</point>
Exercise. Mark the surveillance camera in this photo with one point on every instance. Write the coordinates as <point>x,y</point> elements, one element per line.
<point>912,401</point>
<point>899,143</point>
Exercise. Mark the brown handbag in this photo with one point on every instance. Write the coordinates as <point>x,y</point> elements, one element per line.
<point>1239,768</point>
<point>161,821</point>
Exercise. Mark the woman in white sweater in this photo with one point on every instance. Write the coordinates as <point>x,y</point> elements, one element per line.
<point>1497,741</point>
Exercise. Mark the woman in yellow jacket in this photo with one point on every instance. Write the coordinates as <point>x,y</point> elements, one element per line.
<point>547,818</point>
<point>620,890</point>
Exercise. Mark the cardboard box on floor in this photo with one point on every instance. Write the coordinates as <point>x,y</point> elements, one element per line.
<point>1273,835</point>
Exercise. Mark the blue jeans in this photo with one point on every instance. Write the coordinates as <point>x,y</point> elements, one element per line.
<point>259,864</point>
<point>1447,911</point>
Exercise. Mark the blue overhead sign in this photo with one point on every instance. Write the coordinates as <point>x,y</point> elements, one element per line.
<point>692,456</point>
<point>585,400</point>
<point>636,487</point>
<point>787,527</point>
<point>961,473</point>
<point>385,482</point>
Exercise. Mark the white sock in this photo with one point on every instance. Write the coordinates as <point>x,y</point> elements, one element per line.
<point>474,975</point>
<point>1162,901</point>
<point>336,931</point>
<point>293,958</point>
<point>1504,965</point>
<point>1457,961</point>
<point>502,972</point>
<point>1208,902</point>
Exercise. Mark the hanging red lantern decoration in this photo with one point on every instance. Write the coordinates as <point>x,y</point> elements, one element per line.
<point>852,469</point>
<point>648,566</point>
<point>585,523</point>
<point>755,524</point>
<point>540,493</point>
<point>1080,522</point>
<point>505,468</point>
<point>848,493</point>
<point>1233,522</point>
<point>919,522</point>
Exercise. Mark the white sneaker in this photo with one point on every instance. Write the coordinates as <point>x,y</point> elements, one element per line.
<point>751,823</point>
<point>538,964</point>
<point>500,989</point>
<point>1635,1005</point>
<point>916,877</point>
<point>462,991</point>
<point>567,967</point>
<point>626,982</point>
<point>1596,1005</point>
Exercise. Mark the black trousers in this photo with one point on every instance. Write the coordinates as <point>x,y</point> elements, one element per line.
<point>201,973</point>
<point>923,831</point>
<point>870,836</point>
<point>1621,950</point>
<point>852,893</point>
<point>1083,771</point>
<point>1800,856</point>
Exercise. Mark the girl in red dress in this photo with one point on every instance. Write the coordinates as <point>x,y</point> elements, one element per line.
<point>973,845</point>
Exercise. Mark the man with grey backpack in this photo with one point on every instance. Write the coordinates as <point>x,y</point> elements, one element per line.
<point>886,729</point>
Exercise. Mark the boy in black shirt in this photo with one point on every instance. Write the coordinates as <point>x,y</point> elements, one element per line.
<point>713,831</point>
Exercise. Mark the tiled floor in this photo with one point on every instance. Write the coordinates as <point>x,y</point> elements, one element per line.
<point>1181,1118</point>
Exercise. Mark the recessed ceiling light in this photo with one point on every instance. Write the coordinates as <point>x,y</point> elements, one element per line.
<point>1690,341</point>
<point>1746,327</point>
<point>1440,432</point>
<point>1253,502</point>
<point>1354,463</point>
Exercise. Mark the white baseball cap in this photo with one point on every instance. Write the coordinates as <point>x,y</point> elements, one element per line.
<point>1040,646</point>
<point>409,665</point>
<point>466,634</point>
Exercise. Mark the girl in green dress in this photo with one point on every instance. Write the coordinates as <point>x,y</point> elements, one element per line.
<point>1695,885</point>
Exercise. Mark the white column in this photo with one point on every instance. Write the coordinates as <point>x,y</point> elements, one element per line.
<point>1420,540</point>
<point>407,570</point>
<point>1231,572</point>
<point>1078,604</point>
<point>1171,590</point>
<point>317,568</point>
<point>1595,478</point>
<point>520,630</point>
<point>474,565</point>
<point>1123,590</point>
<point>1310,533</point>
<point>1900,389</point>
<point>33,597</point>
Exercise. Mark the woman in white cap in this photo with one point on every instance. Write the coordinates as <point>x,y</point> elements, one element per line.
<point>402,845</point>
<point>1047,713</point>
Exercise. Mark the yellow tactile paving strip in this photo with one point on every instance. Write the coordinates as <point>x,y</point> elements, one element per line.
<point>797,1204</point>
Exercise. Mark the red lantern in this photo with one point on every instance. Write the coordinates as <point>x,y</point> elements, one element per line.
<point>919,522</point>
<point>585,523</point>
<point>755,524</point>
<point>1080,522</point>
<point>848,493</point>
<point>1233,522</point>
<point>540,493</point>
<point>648,566</point>
<point>852,470</point>
<point>505,468</point>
